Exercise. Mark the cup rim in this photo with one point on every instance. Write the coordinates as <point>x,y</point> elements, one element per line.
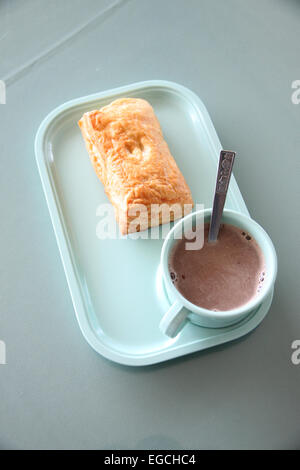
<point>223,314</point>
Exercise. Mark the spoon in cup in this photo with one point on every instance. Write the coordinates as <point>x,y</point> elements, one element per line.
<point>223,177</point>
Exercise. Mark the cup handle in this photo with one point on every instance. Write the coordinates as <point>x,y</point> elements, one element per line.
<point>174,320</point>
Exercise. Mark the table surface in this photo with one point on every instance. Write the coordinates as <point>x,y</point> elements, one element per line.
<point>241,59</point>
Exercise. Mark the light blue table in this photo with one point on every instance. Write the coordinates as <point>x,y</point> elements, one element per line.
<point>241,58</point>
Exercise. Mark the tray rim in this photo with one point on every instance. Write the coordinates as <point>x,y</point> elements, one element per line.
<point>64,244</point>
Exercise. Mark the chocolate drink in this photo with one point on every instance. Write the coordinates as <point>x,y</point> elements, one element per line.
<point>222,275</point>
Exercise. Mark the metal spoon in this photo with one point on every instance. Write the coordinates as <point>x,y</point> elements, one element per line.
<point>223,177</point>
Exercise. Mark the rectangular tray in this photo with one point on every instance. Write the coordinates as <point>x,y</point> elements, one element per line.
<point>113,283</point>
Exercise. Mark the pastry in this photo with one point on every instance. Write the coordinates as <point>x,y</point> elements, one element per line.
<point>131,158</point>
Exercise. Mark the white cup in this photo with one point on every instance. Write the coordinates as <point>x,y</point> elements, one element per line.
<point>182,310</point>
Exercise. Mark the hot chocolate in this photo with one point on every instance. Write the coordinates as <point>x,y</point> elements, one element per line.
<point>222,275</point>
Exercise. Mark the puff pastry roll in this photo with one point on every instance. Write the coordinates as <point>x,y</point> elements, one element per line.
<point>131,158</point>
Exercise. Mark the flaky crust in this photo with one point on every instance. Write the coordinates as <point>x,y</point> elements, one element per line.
<point>133,161</point>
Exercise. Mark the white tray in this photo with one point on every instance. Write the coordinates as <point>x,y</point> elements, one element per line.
<point>115,284</point>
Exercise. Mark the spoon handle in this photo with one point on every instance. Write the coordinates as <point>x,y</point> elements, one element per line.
<point>224,172</point>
